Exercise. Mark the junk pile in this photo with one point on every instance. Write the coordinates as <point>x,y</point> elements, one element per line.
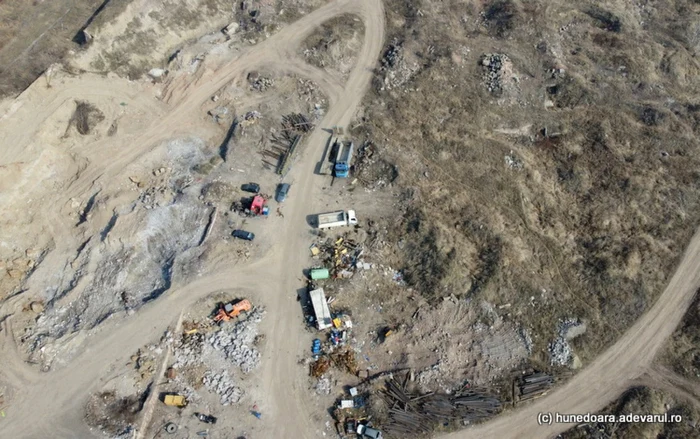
<point>371,169</point>
<point>532,385</point>
<point>343,255</point>
<point>413,414</point>
<point>296,122</point>
<point>494,65</point>
<point>260,83</point>
<point>202,357</point>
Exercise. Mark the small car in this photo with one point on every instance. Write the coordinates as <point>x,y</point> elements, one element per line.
<point>242,234</point>
<point>207,419</point>
<point>282,191</point>
<point>253,188</point>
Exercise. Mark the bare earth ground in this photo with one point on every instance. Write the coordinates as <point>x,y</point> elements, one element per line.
<point>46,165</point>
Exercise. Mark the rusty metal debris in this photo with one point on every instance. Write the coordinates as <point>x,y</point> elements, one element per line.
<point>532,385</point>
<point>413,414</point>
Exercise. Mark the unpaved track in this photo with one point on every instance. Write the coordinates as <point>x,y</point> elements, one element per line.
<point>51,405</point>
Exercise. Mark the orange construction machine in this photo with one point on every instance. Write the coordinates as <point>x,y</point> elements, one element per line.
<point>231,310</point>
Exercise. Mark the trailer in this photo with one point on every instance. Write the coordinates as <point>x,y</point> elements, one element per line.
<point>336,219</point>
<point>344,157</point>
<point>321,310</point>
<point>329,159</point>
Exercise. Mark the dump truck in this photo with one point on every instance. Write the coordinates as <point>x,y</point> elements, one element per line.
<point>321,310</point>
<point>231,310</point>
<point>336,219</point>
<point>344,157</point>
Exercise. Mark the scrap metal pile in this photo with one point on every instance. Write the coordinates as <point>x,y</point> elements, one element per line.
<point>412,414</point>
<point>342,255</point>
<point>296,122</point>
<point>533,385</point>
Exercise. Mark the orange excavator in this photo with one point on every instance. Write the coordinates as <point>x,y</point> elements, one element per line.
<point>231,310</point>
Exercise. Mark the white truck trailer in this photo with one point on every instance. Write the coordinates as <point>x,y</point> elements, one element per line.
<point>336,219</point>
<point>321,310</point>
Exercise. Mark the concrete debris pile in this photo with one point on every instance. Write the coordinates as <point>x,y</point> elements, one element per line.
<point>251,117</point>
<point>513,161</point>
<point>188,351</point>
<point>323,386</point>
<point>235,342</point>
<point>154,246</point>
<point>222,384</point>
<point>560,351</point>
<point>260,83</point>
<point>495,71</point>
<point>395,70</point>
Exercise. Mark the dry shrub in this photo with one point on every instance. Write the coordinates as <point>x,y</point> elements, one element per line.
<point>85,117</point>
<point>112,414</point>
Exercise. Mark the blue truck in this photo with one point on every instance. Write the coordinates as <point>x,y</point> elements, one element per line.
<point>343,160</point>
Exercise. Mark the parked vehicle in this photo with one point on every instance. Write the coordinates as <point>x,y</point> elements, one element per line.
<point>336,219</point>
<point>207,419</point>
<point>251,187</point>
<point>342,164</point>
<point>231,310</point>
<point>282,191</point>
<point>369,432</point>
<point>258,206</point>
<point>321,310</point>
<point>242,234</point>
<point>175,400</point>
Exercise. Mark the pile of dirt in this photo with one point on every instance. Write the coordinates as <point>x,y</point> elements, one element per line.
<point>85,117</point>
<point>335,44</point>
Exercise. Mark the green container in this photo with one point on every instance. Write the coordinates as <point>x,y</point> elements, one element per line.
<point>320,273</point>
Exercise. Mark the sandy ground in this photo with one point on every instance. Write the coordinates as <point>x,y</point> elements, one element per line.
<point>56,399</point>
<point>50,405</point>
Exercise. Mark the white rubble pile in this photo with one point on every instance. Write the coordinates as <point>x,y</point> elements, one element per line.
<point>396,70</point>
<point>560,351</point>
<point>222,384</point>
<point>188,351</point>
<point>323,386</point>
<point>236,342</point>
